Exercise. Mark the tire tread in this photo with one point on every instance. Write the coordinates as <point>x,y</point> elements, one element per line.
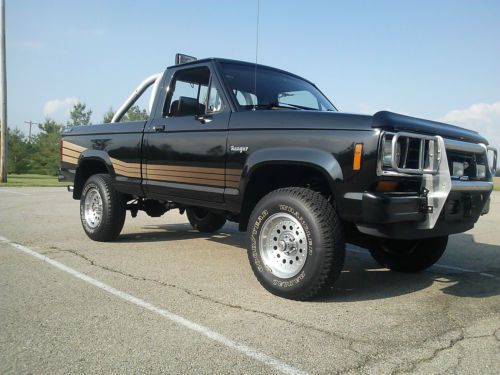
<point>330,228</point>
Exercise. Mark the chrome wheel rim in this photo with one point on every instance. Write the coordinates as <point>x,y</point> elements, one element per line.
<point>283,245</point>
<point>93,208</point>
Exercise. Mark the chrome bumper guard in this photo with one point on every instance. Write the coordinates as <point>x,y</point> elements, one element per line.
<point>433,167</point>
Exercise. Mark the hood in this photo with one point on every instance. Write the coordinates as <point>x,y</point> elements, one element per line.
<point>395,122</point>
<point>294,119</point>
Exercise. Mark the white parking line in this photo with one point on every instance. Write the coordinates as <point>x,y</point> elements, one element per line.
<point>242,348</point>
<point>453,268</point>
<point>13,192</point>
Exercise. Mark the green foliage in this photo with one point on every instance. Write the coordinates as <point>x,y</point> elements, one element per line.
<point>79,115</point>
<point>19,152</point>
<point>108,116</point>
<point>41,155</point>
<point>45,156</point>
<point>135,113</point>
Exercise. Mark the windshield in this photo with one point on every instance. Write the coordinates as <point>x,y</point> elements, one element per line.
<point>270,89</point>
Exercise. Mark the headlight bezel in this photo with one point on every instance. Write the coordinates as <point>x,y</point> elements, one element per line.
<point>399,145</point>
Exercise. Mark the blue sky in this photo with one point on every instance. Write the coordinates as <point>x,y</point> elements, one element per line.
<point>431,59</point>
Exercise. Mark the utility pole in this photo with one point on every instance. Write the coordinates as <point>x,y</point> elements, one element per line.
<point>31,123</point>
<point>3,96</point>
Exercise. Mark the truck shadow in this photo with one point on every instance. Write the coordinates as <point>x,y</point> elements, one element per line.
<point>229,235</point>
<point>362,278</point>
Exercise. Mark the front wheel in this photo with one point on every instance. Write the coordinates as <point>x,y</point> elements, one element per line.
<point>408,255</point>
<point>295,243</point>
<point>102,209</point>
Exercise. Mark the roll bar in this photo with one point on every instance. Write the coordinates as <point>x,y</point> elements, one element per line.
<point>153,79</point>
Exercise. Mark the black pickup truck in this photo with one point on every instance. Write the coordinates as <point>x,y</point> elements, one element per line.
<point>230,140</point>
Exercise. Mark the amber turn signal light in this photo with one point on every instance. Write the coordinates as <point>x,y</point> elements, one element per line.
<point>386,186</point>
<point>358,150</point>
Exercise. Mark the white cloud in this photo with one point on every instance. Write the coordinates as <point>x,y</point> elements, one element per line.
<point>481,117</point>
<point>58,109</point>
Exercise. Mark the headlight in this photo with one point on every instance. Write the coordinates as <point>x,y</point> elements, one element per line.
<point>387,152</point>
<point>492,159</point>
<point>409,153</point>
<point>480,171</point>
<point>458,169</point>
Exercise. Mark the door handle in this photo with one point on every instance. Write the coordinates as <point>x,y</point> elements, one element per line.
<point>159,128</point>
<point>204,119</point>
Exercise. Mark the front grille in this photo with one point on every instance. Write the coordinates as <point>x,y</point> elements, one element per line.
<point>465,166</point>
<point>467,161</point>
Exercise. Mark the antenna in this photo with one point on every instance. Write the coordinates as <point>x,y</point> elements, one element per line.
<point>256,54</point>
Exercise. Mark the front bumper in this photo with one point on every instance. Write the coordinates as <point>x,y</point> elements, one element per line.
<point>382,208</point>
<point>400,215</point>
<point>445,204</point>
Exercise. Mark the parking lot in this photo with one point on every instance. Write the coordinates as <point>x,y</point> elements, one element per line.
<point>167,299</point>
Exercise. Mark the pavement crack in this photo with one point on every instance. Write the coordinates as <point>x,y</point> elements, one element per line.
<point>411,367</point>
<point>461,337</point>
<point>189,292</point>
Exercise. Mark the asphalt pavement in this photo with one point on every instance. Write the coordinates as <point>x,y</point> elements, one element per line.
<point>165,299</point>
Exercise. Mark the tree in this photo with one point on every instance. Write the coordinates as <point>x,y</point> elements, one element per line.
<point>45,155</point>
<point>108,116</point>
<point>135,113</point>
<point>19,152</point>
<point>79,115</point>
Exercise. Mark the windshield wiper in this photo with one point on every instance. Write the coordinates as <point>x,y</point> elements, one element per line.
<point>295,106</point>
<point>278,105</point>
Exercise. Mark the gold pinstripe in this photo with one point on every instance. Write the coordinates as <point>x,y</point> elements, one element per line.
<point>69,159</point>
<point>209,176</point>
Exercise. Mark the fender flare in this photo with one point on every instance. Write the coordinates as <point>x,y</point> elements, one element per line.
<point>91,155</point>
<point>97,155</point>
<point>323,161</point>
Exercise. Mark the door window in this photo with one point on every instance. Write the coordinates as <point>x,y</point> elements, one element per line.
<point>190,96</point>
<point>214,100</point>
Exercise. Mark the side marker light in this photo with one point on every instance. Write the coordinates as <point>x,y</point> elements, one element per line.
<point>358,150</point>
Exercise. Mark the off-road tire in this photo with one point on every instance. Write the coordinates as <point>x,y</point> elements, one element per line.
<point>205,221</point>
<point>408,255</point>
<point>324,238</point>
<point>113,209</point>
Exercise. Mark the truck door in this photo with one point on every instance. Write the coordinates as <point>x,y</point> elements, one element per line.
<point>185,144</point>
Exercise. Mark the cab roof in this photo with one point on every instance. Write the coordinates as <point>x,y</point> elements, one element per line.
<point>222,60</point>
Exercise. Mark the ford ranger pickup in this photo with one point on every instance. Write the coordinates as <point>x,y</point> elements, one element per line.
<point>230,140</point>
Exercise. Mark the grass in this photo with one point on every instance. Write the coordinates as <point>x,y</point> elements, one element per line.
<point>32,180</point>
<point>496,181</point>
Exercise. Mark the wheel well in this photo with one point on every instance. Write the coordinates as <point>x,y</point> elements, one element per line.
<point>271,177</point>
<point>86,169</point>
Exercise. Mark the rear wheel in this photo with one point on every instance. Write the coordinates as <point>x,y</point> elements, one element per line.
<point>205,221</point>
<point>408,255</point>
<point>102,208</point>
<point>295,243</point>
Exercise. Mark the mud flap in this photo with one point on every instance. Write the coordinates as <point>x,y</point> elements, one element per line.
<point>438,186</point>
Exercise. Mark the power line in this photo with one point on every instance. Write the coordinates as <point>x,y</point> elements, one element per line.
<point>31,123</point>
